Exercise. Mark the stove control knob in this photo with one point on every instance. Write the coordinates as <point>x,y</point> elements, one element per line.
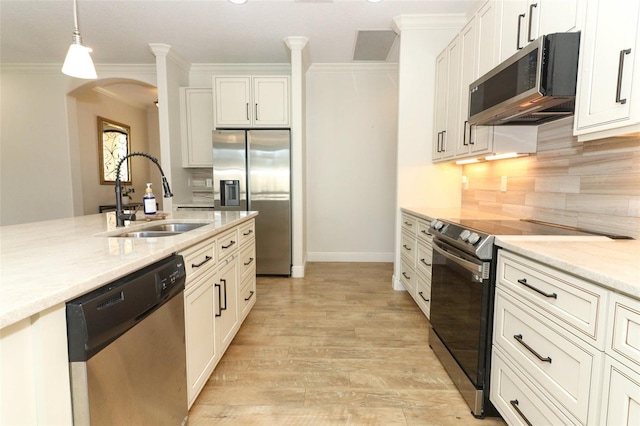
<point>473,238</point>
<point>465,234</point>
<point>437,225</point>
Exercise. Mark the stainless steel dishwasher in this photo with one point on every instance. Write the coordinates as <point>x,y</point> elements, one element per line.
<point>127,349</point>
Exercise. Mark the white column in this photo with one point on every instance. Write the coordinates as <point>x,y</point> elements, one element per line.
<point>299,65</point>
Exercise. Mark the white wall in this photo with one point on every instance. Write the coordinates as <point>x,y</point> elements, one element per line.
<point>39,161</point>
<point>419,182</point>
<point>351,161</point>
<point>35,165</point>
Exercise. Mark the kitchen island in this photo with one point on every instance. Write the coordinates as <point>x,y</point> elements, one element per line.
<point>45,264</point>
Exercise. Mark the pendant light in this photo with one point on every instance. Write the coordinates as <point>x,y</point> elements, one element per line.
<point>78,62</point>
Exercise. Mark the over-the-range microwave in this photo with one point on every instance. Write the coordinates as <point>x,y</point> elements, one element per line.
<point>534,86</point>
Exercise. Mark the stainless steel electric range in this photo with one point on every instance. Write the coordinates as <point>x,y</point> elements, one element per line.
<point>462,295</point>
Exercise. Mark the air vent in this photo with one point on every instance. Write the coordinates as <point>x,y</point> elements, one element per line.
<point>373,45</point>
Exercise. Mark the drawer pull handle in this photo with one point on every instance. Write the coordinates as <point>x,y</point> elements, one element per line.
<point>524,282</point>
<point>514,404</point>
<point>406,276</point>
<point>518,337</point>
<point>224,282</point>
<point>408,223</point>
<point>251,293</point>
<point>406,248</point>
<point>623,53</point>
<point>219,298</point>
<point>229,245</point>
<point>425,232</point>
<point>423,261</point>
<point>197,265</point>
<point>249,262</point>
<point>420,293</point>
<point>249,232</point>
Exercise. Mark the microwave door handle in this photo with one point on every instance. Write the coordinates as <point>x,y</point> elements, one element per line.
<point>469,266</point>
<point>623,53</point>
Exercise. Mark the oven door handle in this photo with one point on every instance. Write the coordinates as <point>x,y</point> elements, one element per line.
<point>469,266</point>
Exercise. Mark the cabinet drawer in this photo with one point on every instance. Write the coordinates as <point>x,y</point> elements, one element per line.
<point>423,231</point>
<point>423,293</point>
<point>247,261</point>
<point>408,247</point>
<point>247,296</point>
<point>624,331</point>
<point>621,396</point>
<point>570,300</point>
<point>247,232</point>
<point>198,259</point>
<point>563,365</point>
<point>516,399</point>
<point>227,244</point>
<point>409,224</point>
<point>424,259</point>
<point>408,276</point>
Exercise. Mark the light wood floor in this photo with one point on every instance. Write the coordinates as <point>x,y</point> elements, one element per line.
<point>337,347</point>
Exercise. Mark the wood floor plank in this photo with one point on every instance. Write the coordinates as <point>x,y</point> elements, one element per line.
<point>338,347</point>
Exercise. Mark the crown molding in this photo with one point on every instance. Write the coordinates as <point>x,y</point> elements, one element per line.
<point>114,69</point>
<point>228,69</point>
<point>160,49</point>
<point>353,67</point>
<point>428,22</point>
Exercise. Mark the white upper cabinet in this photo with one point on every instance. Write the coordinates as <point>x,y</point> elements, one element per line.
<point>607,102</point>
<point>196,114</point>
<point>246,101</point>
<point>523,21</point>
<point>488,22</point>
<point>469,73</point>
<point>447,107</point>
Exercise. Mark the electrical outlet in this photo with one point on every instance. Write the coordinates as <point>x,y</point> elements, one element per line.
<point>209,183</point>
<point>465,182</point>
<point>503,184</point>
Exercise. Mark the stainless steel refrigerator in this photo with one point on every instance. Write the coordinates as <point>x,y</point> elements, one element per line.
<point>251,171</point>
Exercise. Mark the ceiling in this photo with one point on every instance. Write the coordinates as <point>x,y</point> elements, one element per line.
<point>201,31</point>
<point>205,32</point>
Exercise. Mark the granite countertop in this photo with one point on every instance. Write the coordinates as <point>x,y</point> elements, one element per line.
<point>608,263</point>
<point>429,213</point>
<point>46,263</point>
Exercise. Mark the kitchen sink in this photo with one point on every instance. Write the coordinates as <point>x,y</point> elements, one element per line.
<point>160,230</point>
<point>177,228</point>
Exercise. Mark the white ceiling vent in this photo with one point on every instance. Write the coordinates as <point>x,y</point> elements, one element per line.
<point>373,45</point>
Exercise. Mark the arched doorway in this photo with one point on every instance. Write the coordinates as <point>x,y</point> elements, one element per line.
<point>126,101</point>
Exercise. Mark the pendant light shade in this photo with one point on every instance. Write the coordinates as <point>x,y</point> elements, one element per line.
<point>78,62</point>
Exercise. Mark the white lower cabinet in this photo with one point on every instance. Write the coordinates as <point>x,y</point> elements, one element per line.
<point>415,259</point>
<point>621,396</point>
<point>215,302</point>
<point>202,353</point>
<point>566,369</point>
<point>514,396</point>
<point>227,305</point>
<point>565,350</point>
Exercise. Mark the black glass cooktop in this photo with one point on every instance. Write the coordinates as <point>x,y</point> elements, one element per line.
<point>518,227</point>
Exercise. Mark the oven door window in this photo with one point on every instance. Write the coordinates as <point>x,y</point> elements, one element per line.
<point>457,306</point>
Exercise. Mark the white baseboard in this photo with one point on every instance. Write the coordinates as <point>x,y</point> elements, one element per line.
<point>297,271</point>
<point>397,285</point>
<point>349,257</point>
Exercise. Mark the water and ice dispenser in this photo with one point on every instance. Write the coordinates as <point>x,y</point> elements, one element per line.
<point>230,193</point>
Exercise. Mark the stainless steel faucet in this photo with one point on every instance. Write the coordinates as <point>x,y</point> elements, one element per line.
<point>120,215</point>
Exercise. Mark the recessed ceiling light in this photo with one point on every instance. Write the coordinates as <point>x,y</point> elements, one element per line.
<point>238,1</point>
<point>374,1</point>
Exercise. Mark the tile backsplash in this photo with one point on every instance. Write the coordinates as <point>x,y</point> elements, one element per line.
<point>593,185</point>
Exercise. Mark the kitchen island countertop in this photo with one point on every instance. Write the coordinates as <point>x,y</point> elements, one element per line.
<point>46,263</point>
